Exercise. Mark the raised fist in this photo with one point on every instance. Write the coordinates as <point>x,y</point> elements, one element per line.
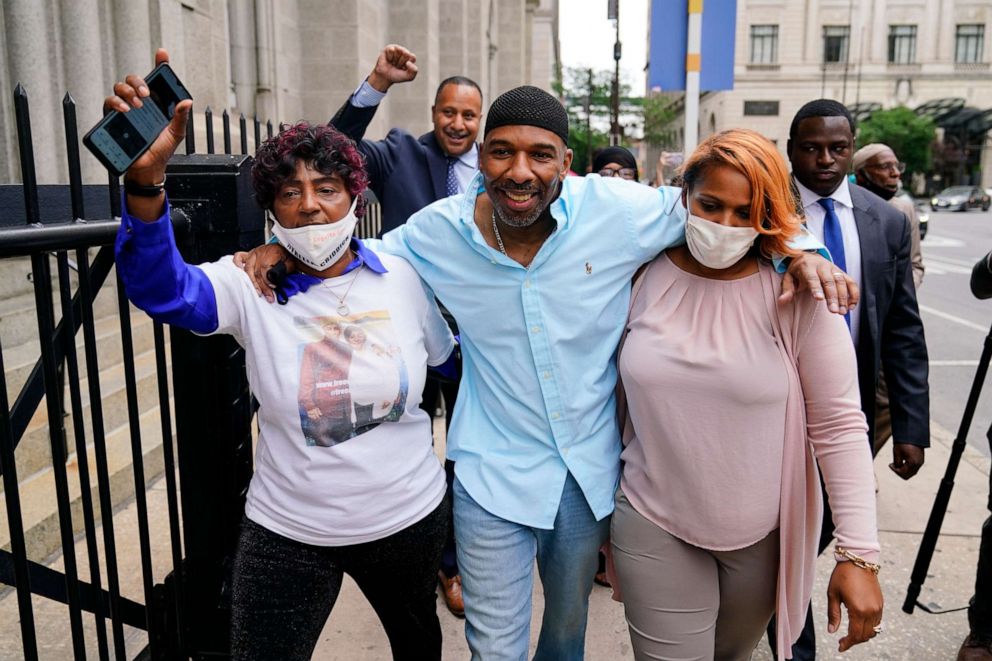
<point>395,65</point>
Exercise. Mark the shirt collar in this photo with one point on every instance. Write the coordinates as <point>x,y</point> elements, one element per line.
<point>471,157</point>
<point>842,195</point>
<point>300,282</point>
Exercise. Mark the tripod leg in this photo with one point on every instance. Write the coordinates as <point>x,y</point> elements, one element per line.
<point>929,542</point>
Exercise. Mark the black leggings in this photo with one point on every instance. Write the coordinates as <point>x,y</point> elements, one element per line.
<point>283,590</point>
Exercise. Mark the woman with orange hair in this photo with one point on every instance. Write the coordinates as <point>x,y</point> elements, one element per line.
<point>718,513</point>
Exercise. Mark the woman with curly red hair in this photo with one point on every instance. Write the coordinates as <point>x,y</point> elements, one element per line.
<point>728,396</point>
<point>346,480</point>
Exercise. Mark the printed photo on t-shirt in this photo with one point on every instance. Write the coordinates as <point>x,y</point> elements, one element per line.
<point>352,376</point>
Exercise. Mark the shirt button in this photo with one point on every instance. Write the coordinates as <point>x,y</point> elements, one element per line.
<point>564,452</point>
<point>547,375</point>
<point>527,284</point>
<point>555,415</point>
<point>535,329</point>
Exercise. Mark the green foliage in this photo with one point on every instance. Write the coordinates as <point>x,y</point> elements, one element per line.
<point>658,118</point>
<point>587,96</point>
<point>910,136</point>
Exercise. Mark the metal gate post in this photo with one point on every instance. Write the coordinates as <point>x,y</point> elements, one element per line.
<point>212,401</point>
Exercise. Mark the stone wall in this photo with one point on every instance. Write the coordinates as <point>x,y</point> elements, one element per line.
<point>280,59</point>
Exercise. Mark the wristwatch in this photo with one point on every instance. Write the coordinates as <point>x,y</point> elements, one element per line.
<point>141,190</point>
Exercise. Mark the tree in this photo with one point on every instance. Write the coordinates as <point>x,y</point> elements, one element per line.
<point>586,94</point>
<point>658,118</point>
<point>909,135</point>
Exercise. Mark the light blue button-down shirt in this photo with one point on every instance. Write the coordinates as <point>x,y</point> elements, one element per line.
<point>537,400</point>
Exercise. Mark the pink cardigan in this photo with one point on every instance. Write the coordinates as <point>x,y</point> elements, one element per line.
<point>828,423</point>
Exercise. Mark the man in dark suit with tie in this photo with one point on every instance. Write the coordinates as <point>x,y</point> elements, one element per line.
<point>870,240</point>
<point>407,173</point>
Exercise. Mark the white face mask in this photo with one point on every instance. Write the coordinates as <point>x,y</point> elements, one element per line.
<point>717,246</point>
<point>318,246</point>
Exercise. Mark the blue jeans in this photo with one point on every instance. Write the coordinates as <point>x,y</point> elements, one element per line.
<point>496,559</point>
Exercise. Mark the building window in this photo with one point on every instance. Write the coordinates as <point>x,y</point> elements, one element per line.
<point>835,43</point>
<point>764,44</point>
<point>761,108</point>
<point>969,44</point>
<point>902,44</point>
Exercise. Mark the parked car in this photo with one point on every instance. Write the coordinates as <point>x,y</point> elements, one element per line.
<point>921,212</point>
<point>961,198</point>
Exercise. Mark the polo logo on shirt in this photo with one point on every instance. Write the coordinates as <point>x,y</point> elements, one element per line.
<point>588,268</point>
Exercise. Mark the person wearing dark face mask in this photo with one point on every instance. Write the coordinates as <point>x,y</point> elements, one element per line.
<point>877,169</point>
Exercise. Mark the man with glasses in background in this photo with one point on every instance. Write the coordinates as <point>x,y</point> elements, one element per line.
<point>877,169</point>
<point>615,162</point>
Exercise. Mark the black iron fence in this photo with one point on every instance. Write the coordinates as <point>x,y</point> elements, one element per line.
<point>183,607</point>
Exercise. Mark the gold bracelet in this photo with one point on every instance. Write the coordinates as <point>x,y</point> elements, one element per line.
<point>857,561</point>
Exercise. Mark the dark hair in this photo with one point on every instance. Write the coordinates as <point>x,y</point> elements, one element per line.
<point>326,148</point>
<point>620,155</point>
<point>821,108</point>
<point>457,80</point>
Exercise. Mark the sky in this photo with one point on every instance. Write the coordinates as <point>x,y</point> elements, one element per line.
<point>587,37</point>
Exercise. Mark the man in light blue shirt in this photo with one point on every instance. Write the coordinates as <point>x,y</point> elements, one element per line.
<point>537,270</point>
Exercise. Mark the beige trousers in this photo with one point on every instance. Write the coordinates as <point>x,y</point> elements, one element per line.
<point>685,603</point>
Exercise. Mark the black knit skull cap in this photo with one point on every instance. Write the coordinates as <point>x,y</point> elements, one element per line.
<point>528,106</point>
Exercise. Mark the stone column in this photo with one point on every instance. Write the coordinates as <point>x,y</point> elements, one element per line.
<point>544,46</point>
<point>83,57</point>
<point>28,38</point>
<point>244,78</point>
<point>414,23</point>
<point>132,36</point>
<point>477,20</point>
<point>512,45</point>
<point>454,38</point>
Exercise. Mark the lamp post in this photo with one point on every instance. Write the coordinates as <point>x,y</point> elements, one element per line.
<point>616,131</point>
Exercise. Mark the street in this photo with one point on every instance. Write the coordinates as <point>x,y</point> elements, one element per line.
<point>956,322</point>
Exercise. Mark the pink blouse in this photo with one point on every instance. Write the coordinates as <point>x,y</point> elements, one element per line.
<point>706,388</point>
<point>819,410</point>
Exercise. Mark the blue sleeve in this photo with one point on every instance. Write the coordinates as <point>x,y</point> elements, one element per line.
<point>157,280</point>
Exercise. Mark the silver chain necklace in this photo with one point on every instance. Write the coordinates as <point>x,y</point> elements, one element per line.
<point>499,239</point>
<point>343,309</point>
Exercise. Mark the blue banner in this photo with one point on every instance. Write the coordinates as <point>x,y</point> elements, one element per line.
<point>666,59</point>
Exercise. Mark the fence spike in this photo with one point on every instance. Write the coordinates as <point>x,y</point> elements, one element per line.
<point>72,156</point>
<point>190,134</point>
<point>243,126</point>
<point>226,125</point>
<point>25,148</point>
<point>209,115</point>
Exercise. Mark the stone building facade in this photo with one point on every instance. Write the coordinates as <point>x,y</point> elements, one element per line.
<point>280,59</point>
<point>863,53</point>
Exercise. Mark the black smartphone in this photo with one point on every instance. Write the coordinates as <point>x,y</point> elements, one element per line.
<point>120,138</point>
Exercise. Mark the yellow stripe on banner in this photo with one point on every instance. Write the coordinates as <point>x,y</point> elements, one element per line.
<point>692,62</point>
<point>695,6</point>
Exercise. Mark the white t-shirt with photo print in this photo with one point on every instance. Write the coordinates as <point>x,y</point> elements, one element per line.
<point>344,452</point>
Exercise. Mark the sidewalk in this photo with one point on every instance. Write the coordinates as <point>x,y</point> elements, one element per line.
<point>353,633</point>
